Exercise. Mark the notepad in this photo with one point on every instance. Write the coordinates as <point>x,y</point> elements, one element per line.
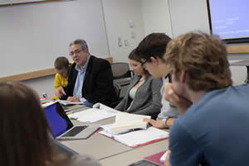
<point>138,137</point>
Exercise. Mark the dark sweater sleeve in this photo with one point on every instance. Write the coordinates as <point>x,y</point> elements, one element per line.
<point>155,107</point>
<point>103,90</point>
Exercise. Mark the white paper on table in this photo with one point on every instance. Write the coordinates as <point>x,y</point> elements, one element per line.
<point>65,102</point>
<point>125,122</point>
<point>94,114</point>
<point>138,137</point>
<point>104,107</point>
<point>47,104</point>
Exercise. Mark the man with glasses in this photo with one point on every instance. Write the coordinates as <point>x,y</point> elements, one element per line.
<point>151,50</point>
<point>90,78</point>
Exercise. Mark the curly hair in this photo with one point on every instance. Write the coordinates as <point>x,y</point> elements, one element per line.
<point>203,57</point>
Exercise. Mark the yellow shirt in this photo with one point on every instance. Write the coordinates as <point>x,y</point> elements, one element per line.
<point>60,81</point>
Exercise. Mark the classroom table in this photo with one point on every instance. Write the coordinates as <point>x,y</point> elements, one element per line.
<point>135,154</point>
<point>97,145</point>
<point>110,152</point>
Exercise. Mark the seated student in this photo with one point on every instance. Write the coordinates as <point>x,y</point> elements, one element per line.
<point>151,50</point>
<point>143,95</point>
<point>25,133</point>
<point>214,129</point>
<point>61,65</point>
<point>90,78</point>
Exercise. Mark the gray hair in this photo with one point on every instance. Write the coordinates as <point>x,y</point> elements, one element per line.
<point>81,42</point>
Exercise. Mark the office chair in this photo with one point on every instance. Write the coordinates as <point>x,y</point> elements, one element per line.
<point>121,73</point>
<point>122,76</point>
<point>117,89</point>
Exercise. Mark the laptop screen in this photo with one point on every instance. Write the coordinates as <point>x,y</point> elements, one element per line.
<point>57,119</point>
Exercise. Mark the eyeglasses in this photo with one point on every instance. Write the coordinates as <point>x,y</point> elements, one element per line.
<point>144,63</point>
<point>75,52</point>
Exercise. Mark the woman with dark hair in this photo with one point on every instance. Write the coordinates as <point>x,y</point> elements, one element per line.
<point>26,138</point>
<point>143,95</point>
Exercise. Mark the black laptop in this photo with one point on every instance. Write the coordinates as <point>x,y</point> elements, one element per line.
<point>62,127</point>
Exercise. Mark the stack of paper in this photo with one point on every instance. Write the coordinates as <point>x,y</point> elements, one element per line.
<point>104,107</point>
<point>65,102</point>
<point>138,137</point>
<point>125,122</point>
<point>47,104</point>
<point>98,112</point>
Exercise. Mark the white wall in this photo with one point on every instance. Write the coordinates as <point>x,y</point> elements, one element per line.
<point>33,35</point>
<point>124,26</point>
<point>42,85</point>
<point>156,16</point>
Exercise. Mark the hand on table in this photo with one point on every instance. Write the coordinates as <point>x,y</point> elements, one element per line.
<point>155,123</point>
<point>73,99</point>
<point>59,92</point>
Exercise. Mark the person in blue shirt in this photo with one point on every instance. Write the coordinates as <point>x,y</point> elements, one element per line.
<point>213,131</point>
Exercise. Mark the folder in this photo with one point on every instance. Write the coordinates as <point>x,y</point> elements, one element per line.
<point>155,158</point>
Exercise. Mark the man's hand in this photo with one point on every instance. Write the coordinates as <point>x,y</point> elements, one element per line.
<point>73,99</point>
<point>59,92</point>
<point>181,103</point>
<point>155,123</point>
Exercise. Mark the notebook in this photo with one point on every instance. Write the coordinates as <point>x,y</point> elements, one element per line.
<point>157,158</point>
<point>62,127</point>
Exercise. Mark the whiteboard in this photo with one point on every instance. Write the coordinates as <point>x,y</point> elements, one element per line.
<point>10,2</point>
<point>33,35</point>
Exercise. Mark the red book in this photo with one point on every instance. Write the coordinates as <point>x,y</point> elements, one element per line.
<point>155,158</point>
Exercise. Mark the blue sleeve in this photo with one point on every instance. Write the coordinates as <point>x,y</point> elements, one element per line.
<point>184,150</point>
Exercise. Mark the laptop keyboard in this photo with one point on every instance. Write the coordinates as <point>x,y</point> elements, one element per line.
<point>74,131</point>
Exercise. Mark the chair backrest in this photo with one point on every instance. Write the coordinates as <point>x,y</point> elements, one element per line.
<point>117,88</point>
<point>120,70</point>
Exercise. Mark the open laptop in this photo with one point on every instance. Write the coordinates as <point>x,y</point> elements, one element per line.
<point>62,127</point>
